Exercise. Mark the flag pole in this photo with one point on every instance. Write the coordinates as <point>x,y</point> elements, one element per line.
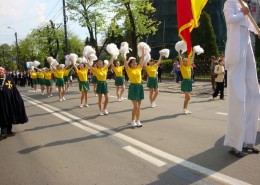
<point>250,18</point>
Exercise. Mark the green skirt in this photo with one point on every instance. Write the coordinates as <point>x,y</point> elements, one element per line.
<point>136,92</point>
<point>35,81</point>
<point>94,80</point>
<point>102,87</point>
<point>59,82</point>
<point>152,83</point>
<point>66,79</point>
<point>41,81</point>
<point>119,81</point>
<point>83,86</point>
<point>48,82</point>
<point>186,85</point>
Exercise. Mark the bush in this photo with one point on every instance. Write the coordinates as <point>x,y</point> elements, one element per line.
<point>167,65</point>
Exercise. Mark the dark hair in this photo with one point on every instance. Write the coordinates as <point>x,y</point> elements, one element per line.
<point>130,62</point>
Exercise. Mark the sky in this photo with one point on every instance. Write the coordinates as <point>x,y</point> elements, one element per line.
<point>24,15</point>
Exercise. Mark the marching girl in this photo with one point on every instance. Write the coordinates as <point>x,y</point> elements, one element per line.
<point>94,80</point>
<point>83,83</point>
<point>48,75</point>
<point>119,80</point>
<point>41,80</point>
<point>152,83</point>
<point>66,79</point>
<point>34,76</point>
<point>135,91</point>
<point>59,74</point>
<point>186,83</point>
<point>100,71</point>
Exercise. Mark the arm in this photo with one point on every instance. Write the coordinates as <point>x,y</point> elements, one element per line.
<point>180,58</point>
<point>230,13</point>
<point>142,59</point>
<point>125,62</point>
<point>112,62</point>
<point>89,66</point>
<point>159,61</point>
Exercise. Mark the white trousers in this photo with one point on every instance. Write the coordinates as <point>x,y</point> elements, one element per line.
<point>243,97</point>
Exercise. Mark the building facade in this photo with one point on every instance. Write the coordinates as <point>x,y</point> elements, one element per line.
<point>167,34</point>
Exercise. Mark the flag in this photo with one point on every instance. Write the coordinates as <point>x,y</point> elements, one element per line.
<point>188,15</point>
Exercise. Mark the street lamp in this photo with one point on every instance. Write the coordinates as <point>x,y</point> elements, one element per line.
<point>16,43</point>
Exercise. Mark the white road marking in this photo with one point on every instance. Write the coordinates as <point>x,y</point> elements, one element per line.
<point>145,156</point>
<point>71,121</point>
<point>225,114</point>
<point>179,161</point>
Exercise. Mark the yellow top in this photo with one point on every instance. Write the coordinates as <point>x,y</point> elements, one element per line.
<point>48,75</point>
<point>59,73</point>
<point>118,70</point>
<point>66,72</point>
<point>33,75</point>
<point>186,71</point>
<point>82,74</point>
<point>135,74</point>
<point>151,70</point>
<point>40,74</point>
<point>101,74</point>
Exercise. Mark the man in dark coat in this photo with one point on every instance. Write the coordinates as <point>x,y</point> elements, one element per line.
<point>11,105</point>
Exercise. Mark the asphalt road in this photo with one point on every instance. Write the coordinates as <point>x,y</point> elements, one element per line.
<point>65,145</point>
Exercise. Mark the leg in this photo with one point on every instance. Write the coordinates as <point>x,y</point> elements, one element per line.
<point>106,101</point>
<point>151,95</point>
<point>186,100</point>
<point>156,92</point>
<point>100,102</point>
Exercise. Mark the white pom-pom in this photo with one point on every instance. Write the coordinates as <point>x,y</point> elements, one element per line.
<point>55,63</point>
<point>88,50</point>
<point>146,47</point>
<point>131,58</point>
<point>36,63</point>
<point>32,68</point>
<point>165,53</point>
<point>112,50</point>
<point>106,62</point>
<point>67,57</point>
<point>67,62</point>
<point>92,58</point>
<point>73,58</point>
<point>147,58</point>
<point>198,50</point>
<point>124,48</point>
<point>29,64</point>
<point>62,65</point>
<point>84,60</point>
<point>181,46</point>
<point>50,60</point>
<point>79,60</point>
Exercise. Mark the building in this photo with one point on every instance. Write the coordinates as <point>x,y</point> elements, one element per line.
<point>167,34</point>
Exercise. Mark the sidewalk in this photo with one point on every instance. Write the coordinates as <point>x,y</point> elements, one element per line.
<point>168,86</point>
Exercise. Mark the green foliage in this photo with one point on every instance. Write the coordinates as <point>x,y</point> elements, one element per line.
<point>138,20</point>
<point>167,65</point>
<point>205,36</point>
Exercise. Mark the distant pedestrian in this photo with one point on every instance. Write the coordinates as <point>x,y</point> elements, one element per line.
<point>160,71</point>
<point>220,72</point>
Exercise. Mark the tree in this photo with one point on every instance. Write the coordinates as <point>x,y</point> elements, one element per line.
<point>205,36</point>
<point>88,13</point>
<point>138,19</point>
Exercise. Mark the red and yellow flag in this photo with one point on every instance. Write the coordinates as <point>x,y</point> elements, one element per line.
<point>188,14</point>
